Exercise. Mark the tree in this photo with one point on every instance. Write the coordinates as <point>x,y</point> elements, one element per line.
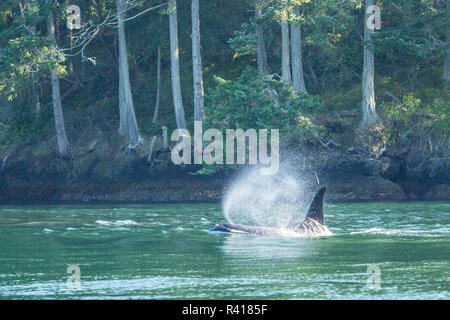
<point>128,124</point>
<point>296,47</point>
<point>369,115</point>
<point>199,96</point>
<point>152,152</point>
<point>34,92</point>
<point>261,54</point>
<point>157,105</point>
<point>29,56</point>
<point>285,67</point>
<point>412,39</point>
<point>175,66</point>
<point>63,142</point>
<point>447,56</point>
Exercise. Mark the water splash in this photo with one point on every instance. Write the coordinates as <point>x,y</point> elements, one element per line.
<point>265,201</point>
<point>398,232</point>
<point>312,228</point>
<point>117,223</point>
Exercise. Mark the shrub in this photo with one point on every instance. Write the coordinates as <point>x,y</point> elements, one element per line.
<point>261,103</point>
<point>410,117</point>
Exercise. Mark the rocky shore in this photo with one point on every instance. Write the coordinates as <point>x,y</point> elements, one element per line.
<point>102,172</point>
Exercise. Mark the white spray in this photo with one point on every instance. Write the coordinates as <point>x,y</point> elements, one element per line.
<point>278,202</point>
<point>265,201</point>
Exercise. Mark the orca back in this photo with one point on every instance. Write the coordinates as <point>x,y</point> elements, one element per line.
<point>315,211</point>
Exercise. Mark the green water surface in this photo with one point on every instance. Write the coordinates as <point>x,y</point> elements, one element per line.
<point>166,252</point>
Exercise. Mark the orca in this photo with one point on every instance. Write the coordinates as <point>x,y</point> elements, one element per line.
<point>313,224</point>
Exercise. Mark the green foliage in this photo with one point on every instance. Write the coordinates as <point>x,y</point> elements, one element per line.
<point>439,108</point>
<point>409,116</point>
<point>305,129</point>
<point>402,110</point>
<point>26,54</point>
<point>343,99</point>
<point>25,126</point>
<point>409,52</point>
<point>206,170</point>
<point>152,129</point>
<point>411,38</point>
<point>243,41</point>
<point>28,57</point>
<point>261,103</point>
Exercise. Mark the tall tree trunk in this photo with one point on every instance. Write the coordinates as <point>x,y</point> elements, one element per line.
<point>297,63</point>
<point>447,57</point>
<point>128,124</point>
<point>63,142</point>
<point>175,66</point>
<point>83,70</point>
<point>35,96</point>
<point>71,53</point>
<point>123,123</point>
<point>34,88</point>
<point>83,62</point>
<point>199,95</point>
<point>261,50</point>
<point>152,152</point>
<point>285,68</point>
<point>369,115</point>
<point>165,139</point>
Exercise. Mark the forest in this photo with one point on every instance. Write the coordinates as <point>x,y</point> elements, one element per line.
<point>91,90</point>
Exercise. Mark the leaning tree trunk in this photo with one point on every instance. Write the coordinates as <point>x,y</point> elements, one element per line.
<point>128,124</point>
<point>261,50</point>
<point>63,142</point>
<point>297,63</point>
<point>447,57</point>
<point>199,95</point>
<point>175,64</point>
<point>285,68</point>
<point>151,155</point>
<point>369,115</point>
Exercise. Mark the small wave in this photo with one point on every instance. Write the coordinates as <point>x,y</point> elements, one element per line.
<point>72,229</point>
<point>117,223</point>
<point>161,224</point>
<point>204,221</point>
<point>400,232</point>
<point>46,230</point>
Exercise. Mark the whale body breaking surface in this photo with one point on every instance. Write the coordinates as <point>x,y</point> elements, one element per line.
<point>312,226</point>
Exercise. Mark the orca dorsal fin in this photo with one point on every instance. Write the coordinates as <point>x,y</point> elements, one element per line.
<point>315,211</point>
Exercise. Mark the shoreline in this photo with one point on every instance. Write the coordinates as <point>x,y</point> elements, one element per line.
<point>125,203</point>
<point>35,173</point>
